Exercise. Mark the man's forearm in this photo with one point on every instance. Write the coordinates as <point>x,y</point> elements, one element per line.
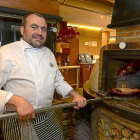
<point>14,100</point>
<point>24,109</point>
<point>73,93</point>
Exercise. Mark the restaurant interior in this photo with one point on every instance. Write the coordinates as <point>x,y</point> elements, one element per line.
<point>97,49</point>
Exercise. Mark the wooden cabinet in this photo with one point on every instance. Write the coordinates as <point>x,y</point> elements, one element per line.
<point>73,56</point>
<point>74,51</point>
<point>85,71</point>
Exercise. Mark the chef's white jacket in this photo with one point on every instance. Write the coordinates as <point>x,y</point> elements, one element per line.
<point>31,73</point>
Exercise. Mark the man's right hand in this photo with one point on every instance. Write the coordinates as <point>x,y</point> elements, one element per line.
<point>25,110</point>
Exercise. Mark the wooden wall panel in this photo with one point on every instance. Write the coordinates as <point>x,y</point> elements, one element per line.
<point>74,51</point>
<point>42,6</point>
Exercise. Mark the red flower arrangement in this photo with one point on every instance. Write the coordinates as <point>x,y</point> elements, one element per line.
<point>68,32</point>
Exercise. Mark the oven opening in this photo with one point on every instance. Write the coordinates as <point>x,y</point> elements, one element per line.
<point>121,68</point>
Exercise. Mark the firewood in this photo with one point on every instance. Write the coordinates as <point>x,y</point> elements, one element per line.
<point>136,135</point>
<point>111,126</point>
<point>100,125</point>
<point>132,138</point>
<point>106,126</point>
<point>103,123</point>
<point>106,134</point>
<point>118,133</point>
<point>124,138</point>
<point>114,132</point>
<point>101,137</point>
<point>72,135</point>
<point>100,130</point>
<point>72,130</point>
<point>73,127</point>
<point>118,126</point>
<point>126,132</point>
<point>116,138</point>
<point>110,131</point>
<point>109,138</point>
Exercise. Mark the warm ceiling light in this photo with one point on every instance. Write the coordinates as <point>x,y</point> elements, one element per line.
<point>102,16</point>
<point>84,26</point>
<point>112,38</point>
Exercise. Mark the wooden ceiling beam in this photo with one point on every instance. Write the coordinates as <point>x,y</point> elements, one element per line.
<point>105,2</point>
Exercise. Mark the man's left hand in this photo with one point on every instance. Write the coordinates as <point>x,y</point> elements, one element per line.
<point>77,98</point>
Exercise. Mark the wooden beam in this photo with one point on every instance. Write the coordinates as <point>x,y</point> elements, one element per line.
<point>43,6</point>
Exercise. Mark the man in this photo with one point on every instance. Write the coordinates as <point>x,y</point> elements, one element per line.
<point>29,75</point>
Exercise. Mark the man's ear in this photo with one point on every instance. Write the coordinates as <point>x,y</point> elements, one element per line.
<point>22,30</point>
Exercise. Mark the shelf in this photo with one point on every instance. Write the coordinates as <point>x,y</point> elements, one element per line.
<point>61,53</point>
<point>63,40</point>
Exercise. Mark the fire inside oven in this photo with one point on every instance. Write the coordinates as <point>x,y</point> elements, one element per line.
<point>121,68</point>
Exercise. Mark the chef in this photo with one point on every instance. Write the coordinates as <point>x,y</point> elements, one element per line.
<point>29,75</point>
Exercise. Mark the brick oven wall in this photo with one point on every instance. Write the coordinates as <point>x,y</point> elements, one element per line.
<point>129,34</point>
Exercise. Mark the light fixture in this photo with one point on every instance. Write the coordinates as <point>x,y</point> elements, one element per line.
<point>112,38</point>
<point>102,16</point>
<point>84,26</point>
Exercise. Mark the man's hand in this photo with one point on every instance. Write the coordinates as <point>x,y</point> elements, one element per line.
<point>25,110</point>
<point>81,101</point>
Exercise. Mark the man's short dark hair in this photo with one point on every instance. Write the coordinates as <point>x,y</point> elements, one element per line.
<point>32,13</point>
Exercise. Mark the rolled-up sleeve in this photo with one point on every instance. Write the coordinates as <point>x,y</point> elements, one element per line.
<point>62,87</point>
<point>4,98</point>
<point>4,74</point>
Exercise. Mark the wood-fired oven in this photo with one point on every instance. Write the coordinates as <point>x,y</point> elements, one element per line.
<point>112,119</point>
<point>119,66</point>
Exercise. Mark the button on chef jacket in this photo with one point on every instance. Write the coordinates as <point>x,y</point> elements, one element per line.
<point>31,73</point>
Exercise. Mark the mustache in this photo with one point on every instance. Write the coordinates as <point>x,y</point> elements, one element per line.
<point>37,35</point>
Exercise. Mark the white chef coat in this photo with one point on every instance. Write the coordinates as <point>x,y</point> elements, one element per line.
<point>31,73</point>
